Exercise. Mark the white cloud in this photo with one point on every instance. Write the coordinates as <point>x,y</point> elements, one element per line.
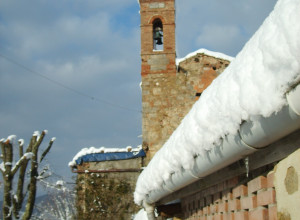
<point>93,47</point>
<point>195,17</point>
<point>219,37</point>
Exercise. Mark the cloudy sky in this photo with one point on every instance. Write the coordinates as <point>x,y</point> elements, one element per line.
<point>73,66</point>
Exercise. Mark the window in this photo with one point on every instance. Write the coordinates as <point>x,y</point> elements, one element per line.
<point>158,35</point>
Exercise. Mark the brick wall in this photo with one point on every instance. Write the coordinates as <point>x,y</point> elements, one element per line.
<point>168,94</point>
<point>167,98</point>
<point>255,200</point>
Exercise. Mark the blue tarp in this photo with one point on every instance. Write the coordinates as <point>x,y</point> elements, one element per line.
<point>110,156</point>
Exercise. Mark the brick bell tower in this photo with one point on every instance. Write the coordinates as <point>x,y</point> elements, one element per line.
<point>158,71</point>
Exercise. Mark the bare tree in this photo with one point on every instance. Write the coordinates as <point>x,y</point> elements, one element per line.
<point>12,202</point>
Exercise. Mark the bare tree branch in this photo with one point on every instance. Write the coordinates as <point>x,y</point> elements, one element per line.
<point>47,150</point>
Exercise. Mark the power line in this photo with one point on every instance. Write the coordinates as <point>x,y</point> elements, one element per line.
<point>67,87</point>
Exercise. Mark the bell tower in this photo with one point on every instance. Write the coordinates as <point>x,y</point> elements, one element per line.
<point>157,36</point>
<point>158,71</point>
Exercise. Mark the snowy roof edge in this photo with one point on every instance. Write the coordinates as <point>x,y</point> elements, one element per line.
<point>93,150</point>
<point>264,71</point>
<point>206,52</point>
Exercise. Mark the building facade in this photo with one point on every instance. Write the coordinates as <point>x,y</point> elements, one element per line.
<point>168,90</point>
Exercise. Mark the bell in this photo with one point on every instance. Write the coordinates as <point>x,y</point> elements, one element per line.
<point>158,36</point>
<point>158,41</point>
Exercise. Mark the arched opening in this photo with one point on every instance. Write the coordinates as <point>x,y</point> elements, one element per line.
<point>158,35</point>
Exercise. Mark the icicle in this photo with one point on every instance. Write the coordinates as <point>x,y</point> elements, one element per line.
<point>246,160</point>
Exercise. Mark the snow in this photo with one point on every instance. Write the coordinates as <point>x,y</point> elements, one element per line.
<point>207,52</point>
<point>28,155</point>
<point>254,84</point>
<point>21,142</point>
<point>141,215</point>
<point>59,183</point>
<point>36,134</point>
<point>93,150</point>
<point>2,168</point>
<point>53,139</point>
<point>11,139</point>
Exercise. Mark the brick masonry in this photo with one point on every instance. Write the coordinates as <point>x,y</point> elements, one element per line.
<point>168,92</point>
<point>255,200</point>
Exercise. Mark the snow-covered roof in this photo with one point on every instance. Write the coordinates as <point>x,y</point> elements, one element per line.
<point>102,150</point>
<point>254,84</point>
<point>206,52</point>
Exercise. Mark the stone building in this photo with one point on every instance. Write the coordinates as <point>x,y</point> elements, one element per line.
<point>170,87</point>
<point>105,182</point>
<point>169,90</point>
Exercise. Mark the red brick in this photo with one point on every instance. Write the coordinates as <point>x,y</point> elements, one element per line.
<point>249,202</point>
<point>202,202</point>
<point>210,191</point>
<point>203,218</point>
<point>228,216</point>
<point>266,197</point>
<point>217,197</point>
<point>242,215</point>
<point>223,207</point>
<point>257,184</point>
<point>218,217</point>
<point>206,210</point>
<point>226,195</point>
<point>200,212</point>
<point>210,217</point>
<point>234,205</point>
<point>213,208</point>
<point>270,178</point>
<point>260,213</point>
<point>272,211</point>
<point>232,182</point>
<point>221,186</point>
<point>239,191</point>
<point>209,200</point>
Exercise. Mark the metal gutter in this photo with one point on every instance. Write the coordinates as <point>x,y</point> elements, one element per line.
<point>252,136</point>
<point>107,171</point>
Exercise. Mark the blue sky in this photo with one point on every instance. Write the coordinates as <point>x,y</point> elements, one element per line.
<point>93,47</point>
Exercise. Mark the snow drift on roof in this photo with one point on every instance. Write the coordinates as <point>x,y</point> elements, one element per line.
<point>92,150</point>
<point>253,85</point>
<point>97,157</point>
<point>206,52</point>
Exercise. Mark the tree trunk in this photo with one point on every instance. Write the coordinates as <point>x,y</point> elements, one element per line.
<point>33,179</point>
<point>7,206</point>
<point>7,152</point>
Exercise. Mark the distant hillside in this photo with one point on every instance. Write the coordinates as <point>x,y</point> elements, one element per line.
<point>57,206</point>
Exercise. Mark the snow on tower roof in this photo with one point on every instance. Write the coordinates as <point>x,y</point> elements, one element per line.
<point>206,52</point>
<point>254,84</point>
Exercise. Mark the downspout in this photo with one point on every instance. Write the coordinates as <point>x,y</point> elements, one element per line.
<point>149,210</point>
<point>252,136</point>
